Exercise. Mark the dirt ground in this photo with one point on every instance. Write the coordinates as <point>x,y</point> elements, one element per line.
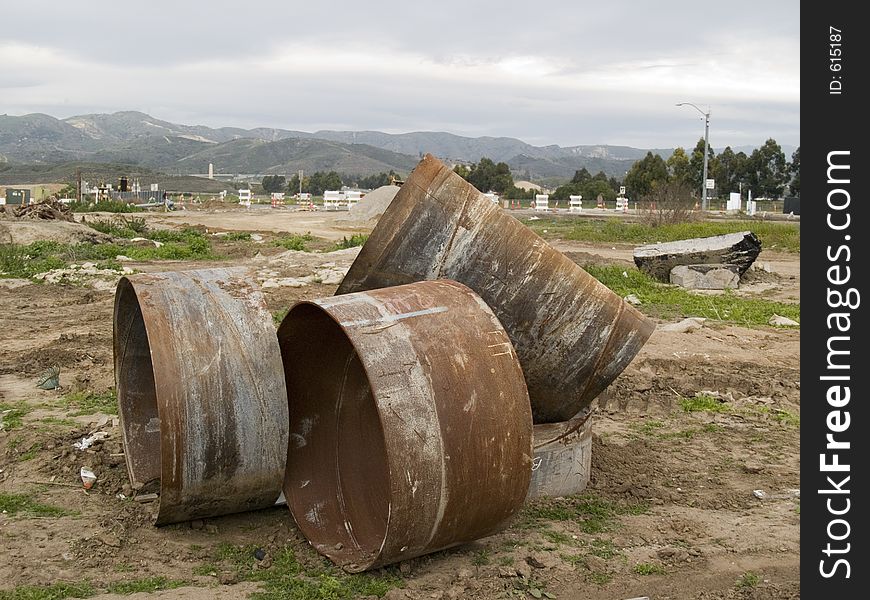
<point>700,504</point>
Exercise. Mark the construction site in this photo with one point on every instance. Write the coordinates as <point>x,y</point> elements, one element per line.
<point>427,395</point>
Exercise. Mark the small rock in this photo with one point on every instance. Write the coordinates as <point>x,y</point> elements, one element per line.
<point>596,564</point>
<point>685,326</point>
<point>632,299</point>
<point>339,546</point>
<point>506,572</point>
<point>780,321</point>
<point>464,573</point>
<point>227,578</point>
<point>259,554</point>
<point>524,571</point>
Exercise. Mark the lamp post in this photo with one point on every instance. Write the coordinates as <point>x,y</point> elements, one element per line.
<point>706,149</point>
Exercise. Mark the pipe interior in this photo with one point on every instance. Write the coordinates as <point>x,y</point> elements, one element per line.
<point>137,395</point>
<point>337,480</point>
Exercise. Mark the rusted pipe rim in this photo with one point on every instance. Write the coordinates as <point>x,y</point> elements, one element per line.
<point>201,393</point>
<point>410,427</point>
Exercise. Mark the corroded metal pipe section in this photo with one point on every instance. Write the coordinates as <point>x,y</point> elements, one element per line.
<point>562,460</point>
<point>201,391</point>
<point>572,334</point>
<point>410,425</point>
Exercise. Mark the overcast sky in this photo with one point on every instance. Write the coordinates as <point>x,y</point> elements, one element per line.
<point>558,72</point>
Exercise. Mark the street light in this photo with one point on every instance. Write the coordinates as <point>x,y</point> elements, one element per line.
<point>706,149</point>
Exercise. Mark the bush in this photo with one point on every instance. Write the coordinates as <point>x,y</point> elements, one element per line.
<point>668,203</point>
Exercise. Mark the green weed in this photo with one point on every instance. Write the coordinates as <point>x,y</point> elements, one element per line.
<point>649,569</point>
<point>293,242</point>
<point>12,415</point>
<point>669,302</point>
<point>12,504</point>
<point>779,236</point>
<point>357,239</point>
<point>56,591</point>
<point>89,402</point>
<point>704,403</point>
<point>748,580</point>
<point>147,585</point>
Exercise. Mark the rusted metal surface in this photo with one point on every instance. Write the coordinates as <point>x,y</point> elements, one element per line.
<point>410,425</point>
<point>562,460</point>
<point>572,334</point>
<point>201,391</point>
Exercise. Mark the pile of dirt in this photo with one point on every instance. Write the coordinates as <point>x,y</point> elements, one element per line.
<point>373,205</point>
<point>49,210</point>
<point>26,231</point>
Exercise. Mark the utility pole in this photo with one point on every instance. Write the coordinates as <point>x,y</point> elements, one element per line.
<point>706,116</point>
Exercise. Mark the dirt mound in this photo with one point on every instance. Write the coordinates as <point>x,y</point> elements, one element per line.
<point>27,231</point>
<point>373,205</point>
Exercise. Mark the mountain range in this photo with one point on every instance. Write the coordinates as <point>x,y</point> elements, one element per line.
<point>135,138</point>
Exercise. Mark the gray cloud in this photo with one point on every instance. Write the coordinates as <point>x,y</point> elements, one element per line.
<point>556,72</point>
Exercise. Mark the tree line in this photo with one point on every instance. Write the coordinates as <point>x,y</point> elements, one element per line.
<point>765,172</point>
<point>320,181</point>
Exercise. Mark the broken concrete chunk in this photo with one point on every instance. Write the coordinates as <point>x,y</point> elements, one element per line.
<point>685,326</point>
<point>738,249</point>
<point>705,277</point>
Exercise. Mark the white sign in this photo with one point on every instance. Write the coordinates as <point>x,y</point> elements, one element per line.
<point>711,183</point>
<point>155,187</point>
<point>622,190</point>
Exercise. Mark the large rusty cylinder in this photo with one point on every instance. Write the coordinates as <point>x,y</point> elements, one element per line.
<point>201,392</point>
<point>572,334</point>
<point>410,424</point>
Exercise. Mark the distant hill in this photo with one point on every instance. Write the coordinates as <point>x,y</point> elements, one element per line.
<point>135,138</point>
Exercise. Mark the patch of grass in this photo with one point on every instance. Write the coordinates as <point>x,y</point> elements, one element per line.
<point>712,428</point>
<point>785,417</point>
<point>649,569</point>
<point>17,261</point>
<point>670,302</point>
<point>573,559</point>
<point>506,561</point>
<point>599,577</point>
<point>557,537</point>
<point>748,580</point>
<point>238,236</point>
<point>287,578</point>
<point>146,584</point>
<point>480,558</point>
<point>13,504</point>
<point>113,206</point>
<point>121,227</point>
<point>684,434</point>
<point>47,422</point>
<point>293,242</point>
<point>648,427</point>
<point>779,236</point>
<point>357,239</point>
<point>11,415</point>
<point>603,549</point>
<point>89,402</point>
<point>123,568</point>
<point>279,315</point>
<point>56,591</point>
<point>704,403</point>
<point>592,514</point>
<point>206,570</point>
<point>31,452</point>
<point>26,261</point>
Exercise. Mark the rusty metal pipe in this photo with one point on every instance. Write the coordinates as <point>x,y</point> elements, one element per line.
<point>572,334</point>
<point>410,424</point>
<point>201,391</point>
